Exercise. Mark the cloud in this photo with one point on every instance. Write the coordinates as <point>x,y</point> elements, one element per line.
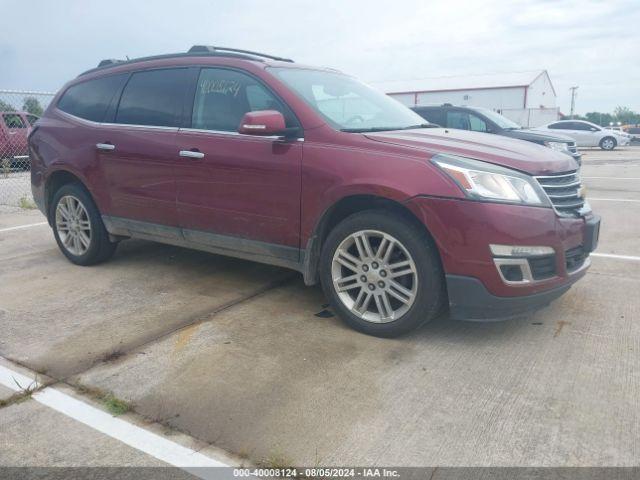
<point>585,43</point>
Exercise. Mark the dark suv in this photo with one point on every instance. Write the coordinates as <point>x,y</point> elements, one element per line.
<point>254,156</point>
<point>487,121</point>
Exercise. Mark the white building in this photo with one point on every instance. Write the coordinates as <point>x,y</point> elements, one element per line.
<point>528,98</point>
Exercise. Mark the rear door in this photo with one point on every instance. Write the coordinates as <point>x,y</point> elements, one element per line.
<point>238,186</point>
<point>138,150</point>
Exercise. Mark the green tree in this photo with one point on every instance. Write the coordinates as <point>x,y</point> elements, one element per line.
<point>599,118</point>
<point>625,115</point>
<point>6,107</point>
<point>32,105</point>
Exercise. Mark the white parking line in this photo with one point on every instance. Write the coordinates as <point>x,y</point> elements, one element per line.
<point>20,227</point>
<point>614,199</point>
<point>617,257</point>
<point>128,433</point>
<point>611,178</point>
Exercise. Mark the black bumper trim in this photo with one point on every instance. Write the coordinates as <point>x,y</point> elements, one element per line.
<point>470,300</point>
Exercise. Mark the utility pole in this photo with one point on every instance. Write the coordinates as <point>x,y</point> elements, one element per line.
<point>573,100</point>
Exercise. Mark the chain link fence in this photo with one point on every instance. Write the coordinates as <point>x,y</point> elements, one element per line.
<point>19,111</point>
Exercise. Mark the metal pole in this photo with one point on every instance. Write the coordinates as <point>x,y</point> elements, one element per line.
<point>573,100</point>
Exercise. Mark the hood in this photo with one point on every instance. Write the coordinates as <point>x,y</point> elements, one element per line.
<point>536,136</point>
<point>507,152</point>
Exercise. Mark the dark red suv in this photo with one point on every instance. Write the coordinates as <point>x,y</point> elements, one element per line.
<point>255,156</point>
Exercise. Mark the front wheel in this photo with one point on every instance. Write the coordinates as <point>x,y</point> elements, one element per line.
<point>78,228</point>
<point>381,274</point>
<point>608,143</point>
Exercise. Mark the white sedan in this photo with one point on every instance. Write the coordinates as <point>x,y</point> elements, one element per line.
<point>587,134</point>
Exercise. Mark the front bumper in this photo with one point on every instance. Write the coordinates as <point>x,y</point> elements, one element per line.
<point>470,300</point>
<point>464,230</point>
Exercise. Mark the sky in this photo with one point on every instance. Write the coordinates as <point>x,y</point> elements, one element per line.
<point>591,44</point>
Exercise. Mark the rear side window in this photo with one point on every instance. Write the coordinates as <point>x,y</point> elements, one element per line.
<point>153,98</point>
<point>561,126</point>
<point>224,96</point>
<point>432,115</point>
<point>90,100</point>
<point>13,120</point>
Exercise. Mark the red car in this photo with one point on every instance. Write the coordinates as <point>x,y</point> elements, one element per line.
<point>254,156</point>
<point>14,129</point>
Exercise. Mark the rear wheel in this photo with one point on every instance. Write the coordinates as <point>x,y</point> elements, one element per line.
<point>608,143</point>
<point>381,274</point>
<point>78,226</point>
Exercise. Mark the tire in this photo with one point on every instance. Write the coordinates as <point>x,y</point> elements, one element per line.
<point>608,143</point>
<point>412,265</point>
<point>72,213</point>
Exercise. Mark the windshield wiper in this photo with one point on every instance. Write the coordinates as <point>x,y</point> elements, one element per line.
<point>385,129</point>
<point>421,125</point>
<point>368,129</point>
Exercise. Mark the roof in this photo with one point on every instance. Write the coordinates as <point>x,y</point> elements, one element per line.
<point>461,82</point>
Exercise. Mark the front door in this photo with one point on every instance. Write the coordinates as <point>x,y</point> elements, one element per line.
<point>240,191</point>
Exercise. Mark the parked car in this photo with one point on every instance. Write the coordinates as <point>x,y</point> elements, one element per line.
<point>634,132</point>
<point>587,134</point>
<point>488,121</point>
<point>254,156</point>
<point>14,129</point>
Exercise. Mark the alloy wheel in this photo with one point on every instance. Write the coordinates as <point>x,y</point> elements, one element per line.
<point>73,225</point>
<point>374,276</point>
<point>607,144</point>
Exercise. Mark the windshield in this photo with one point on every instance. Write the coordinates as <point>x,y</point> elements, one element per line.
<point>500,120</point>
<point>348,104</point>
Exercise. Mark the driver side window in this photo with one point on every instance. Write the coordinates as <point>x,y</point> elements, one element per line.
<point>458,120</point>
<point>224,96</point>
<point>477,124</point>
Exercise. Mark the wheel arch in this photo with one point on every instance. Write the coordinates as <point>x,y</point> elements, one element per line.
<point>340,210</point>
<point>54,182</point>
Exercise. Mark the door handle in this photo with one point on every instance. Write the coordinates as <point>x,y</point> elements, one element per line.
<point>105,146</point>
<point>191,154</point>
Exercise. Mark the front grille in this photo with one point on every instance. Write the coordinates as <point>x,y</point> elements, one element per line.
<point>564,191</point>
<point>543,267</point>
<point>575,258</point>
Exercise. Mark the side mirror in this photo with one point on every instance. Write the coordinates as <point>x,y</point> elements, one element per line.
<point>262,122</point>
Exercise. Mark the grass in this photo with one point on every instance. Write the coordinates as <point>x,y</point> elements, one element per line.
<point>114,405</point>
<point>6,167</point>
<point>17,397</point>
<point>276,460</point>
<point>24,393</point>
<point>26,203</point>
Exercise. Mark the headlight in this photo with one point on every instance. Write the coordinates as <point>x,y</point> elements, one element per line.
<point>559,146</point>
<point>488,182</point>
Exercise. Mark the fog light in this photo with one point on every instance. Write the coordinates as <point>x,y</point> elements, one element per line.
<point>511,273</point>
<point>520,251</point>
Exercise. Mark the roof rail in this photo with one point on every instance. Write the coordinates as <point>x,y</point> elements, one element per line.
<point>196,50</point>
<point>109,61</point>
<point>212,49</point>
